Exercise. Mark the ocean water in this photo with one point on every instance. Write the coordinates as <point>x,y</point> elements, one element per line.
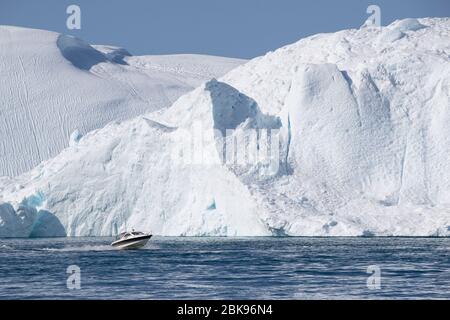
<point>227,268</point>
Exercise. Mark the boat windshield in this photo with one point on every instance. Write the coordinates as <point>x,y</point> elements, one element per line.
<point>125,235</point>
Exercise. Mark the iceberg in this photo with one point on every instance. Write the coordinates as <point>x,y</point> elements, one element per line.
<point>362,142</point>
<point>54,84</point>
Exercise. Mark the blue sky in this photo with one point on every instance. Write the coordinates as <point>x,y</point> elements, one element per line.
<point>234,28</point>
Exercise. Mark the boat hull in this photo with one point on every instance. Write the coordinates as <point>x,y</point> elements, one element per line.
<point>131,243</point>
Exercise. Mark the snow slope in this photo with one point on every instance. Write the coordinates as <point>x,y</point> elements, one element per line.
<point>361,117</point>
<point>52,85</point>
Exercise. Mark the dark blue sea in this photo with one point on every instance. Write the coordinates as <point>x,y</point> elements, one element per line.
<point>227,268</point>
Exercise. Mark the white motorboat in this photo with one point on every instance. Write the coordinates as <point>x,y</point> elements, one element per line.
<point>131,240</point>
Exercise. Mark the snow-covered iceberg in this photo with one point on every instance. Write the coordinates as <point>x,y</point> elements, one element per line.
<point>360,120</point>
<point>52,85</point>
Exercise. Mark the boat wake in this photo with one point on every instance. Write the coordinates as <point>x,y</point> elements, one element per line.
<point>5,247</point>
<point>80,248</point>
<point>87,248</point>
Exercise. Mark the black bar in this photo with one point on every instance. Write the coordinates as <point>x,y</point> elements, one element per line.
<point>227,309</point>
